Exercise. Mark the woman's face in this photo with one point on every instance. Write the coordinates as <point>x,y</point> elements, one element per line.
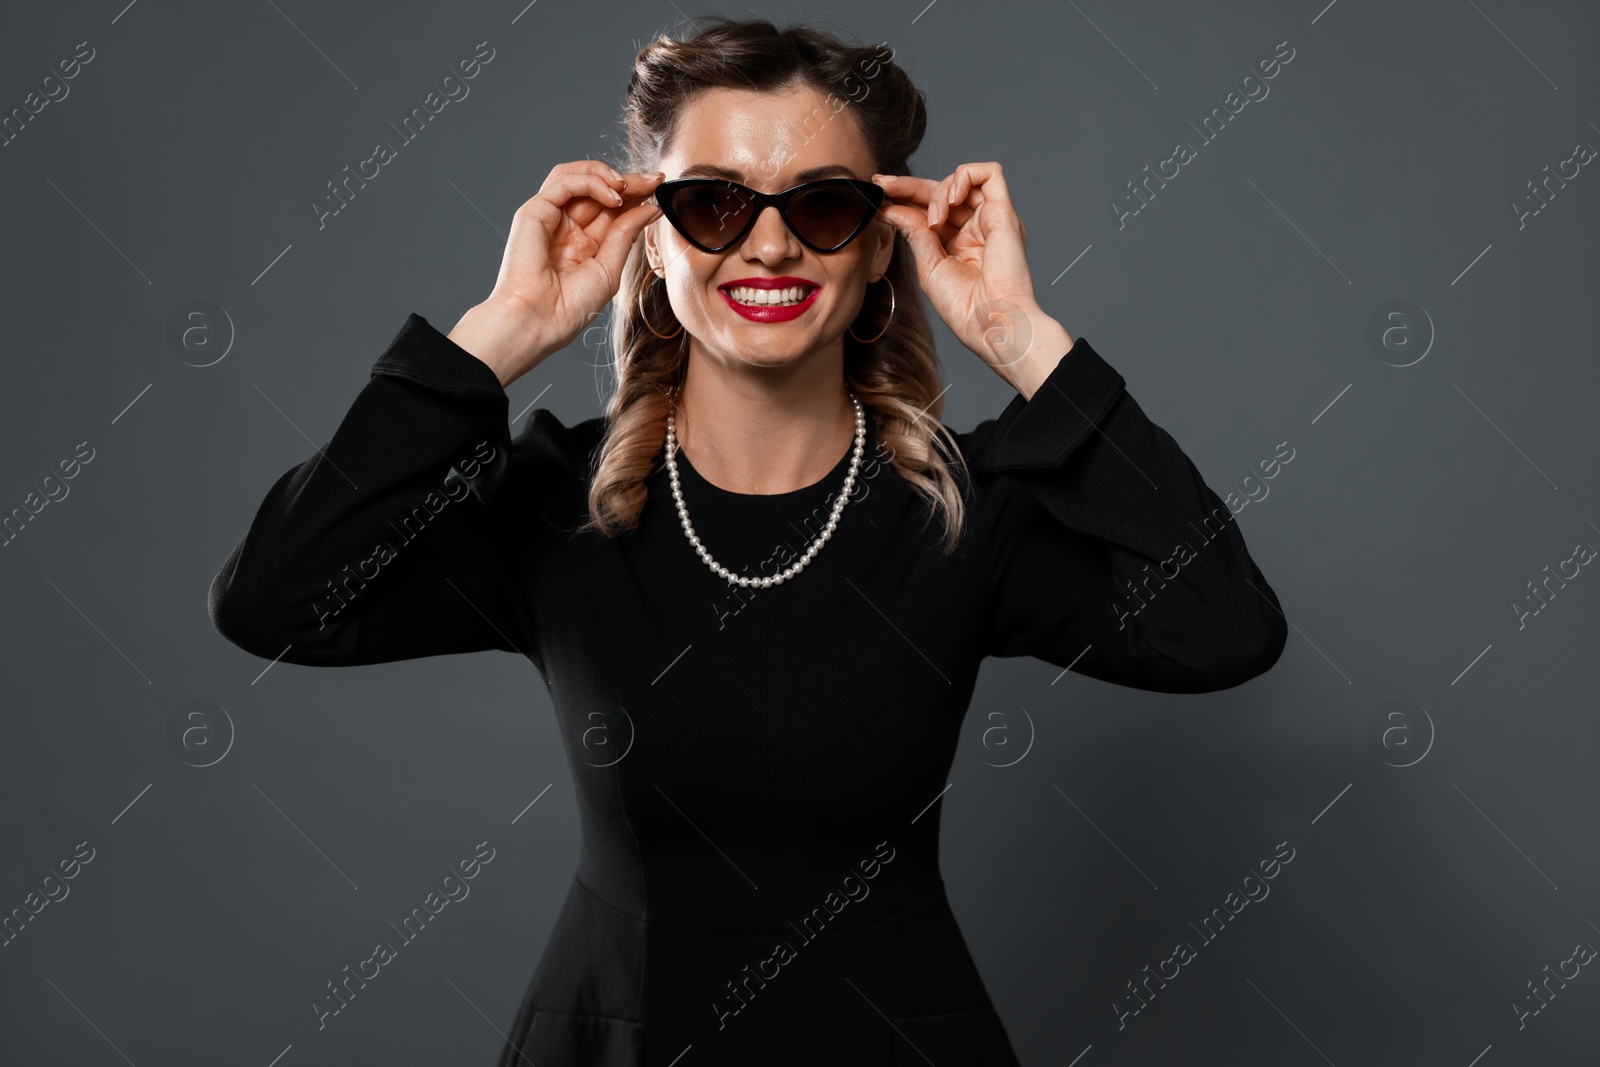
<point>768,142</point>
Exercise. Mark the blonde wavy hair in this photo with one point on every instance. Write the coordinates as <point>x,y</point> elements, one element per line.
<point>896,377</point>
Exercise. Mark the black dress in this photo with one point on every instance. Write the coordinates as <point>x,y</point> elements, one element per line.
<point>758,771</point>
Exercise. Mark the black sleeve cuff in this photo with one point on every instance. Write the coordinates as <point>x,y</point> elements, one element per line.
<point>420,353</point>
<point>1039,432</point>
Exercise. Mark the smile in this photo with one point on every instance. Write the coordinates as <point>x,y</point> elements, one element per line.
<point>770,299</point>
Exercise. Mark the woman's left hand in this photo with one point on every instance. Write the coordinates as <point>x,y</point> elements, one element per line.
<point>970,248</point>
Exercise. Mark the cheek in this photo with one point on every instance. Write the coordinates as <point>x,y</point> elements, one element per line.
<point>853,294</point>
<point>695,299</point>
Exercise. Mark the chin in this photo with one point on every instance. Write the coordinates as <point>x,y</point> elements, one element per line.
<point>772,352</point>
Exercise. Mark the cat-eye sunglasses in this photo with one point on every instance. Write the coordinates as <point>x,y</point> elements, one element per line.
<point>714,214</point>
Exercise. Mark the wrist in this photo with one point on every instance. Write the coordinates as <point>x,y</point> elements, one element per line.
<point>1046,346</point>
<point>499,332</point>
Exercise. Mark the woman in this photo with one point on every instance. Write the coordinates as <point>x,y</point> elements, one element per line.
<point>758,642</point>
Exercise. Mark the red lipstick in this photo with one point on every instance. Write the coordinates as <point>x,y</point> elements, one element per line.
<point>771,313</point>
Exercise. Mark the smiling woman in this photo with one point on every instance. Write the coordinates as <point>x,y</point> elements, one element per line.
<point>769,336</point>
<point>825,225</point>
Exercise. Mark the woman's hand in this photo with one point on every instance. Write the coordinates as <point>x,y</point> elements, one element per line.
<point>562,263</point>
<point>970,248</point>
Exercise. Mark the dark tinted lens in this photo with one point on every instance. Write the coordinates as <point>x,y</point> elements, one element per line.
<point>712,214</point>
<point>825,216</point>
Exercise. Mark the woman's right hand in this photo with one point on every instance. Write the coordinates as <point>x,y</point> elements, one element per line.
<point>562,263</point>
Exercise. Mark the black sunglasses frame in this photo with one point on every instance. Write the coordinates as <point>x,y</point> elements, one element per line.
<point>872,194</point>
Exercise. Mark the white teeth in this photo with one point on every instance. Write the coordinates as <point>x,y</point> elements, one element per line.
<point>745,294</point>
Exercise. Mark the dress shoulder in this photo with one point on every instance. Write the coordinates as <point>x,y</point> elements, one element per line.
<point>552,466</point>
<point>564,454</point>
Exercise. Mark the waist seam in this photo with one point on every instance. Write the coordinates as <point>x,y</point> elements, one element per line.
<point>899,913</point>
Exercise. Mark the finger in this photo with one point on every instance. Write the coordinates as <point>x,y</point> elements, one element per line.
<point>532,227</point>
<point>960,185</point>
<point>905,188</point>
<point>950,223</point>
<point>634,184</point>
<point>925,244</point>
<point>954,200</point>
<point>956,191</point>
<point>592,210</point>
<point>639,189</point>
<point>978,184</point>
<point>987,179</point>
<point>633,189</point>
<point>922,196</point>
<point>563,186</point>
<point>939,202</point>
<point>1001,232</point>
<point>955,213</point>
<point>619,240</point>
<point>956,217</point>
<point>629,183</point>
<point>586,166</point>
<point>904,218</point>
<point>581,211</point>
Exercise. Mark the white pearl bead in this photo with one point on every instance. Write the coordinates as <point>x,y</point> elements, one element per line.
<point>822,538</point>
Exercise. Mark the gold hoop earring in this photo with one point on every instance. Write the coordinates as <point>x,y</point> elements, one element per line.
<point>880,333</point>
<point>646,319</point>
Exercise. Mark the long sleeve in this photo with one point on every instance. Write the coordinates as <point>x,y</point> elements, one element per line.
<point>401,538</point>
<point>1116,559</point>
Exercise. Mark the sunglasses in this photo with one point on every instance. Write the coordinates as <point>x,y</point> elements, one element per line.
<point>714,214</point>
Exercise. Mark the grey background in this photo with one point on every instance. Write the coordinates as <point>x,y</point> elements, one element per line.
<point>1421,899</point>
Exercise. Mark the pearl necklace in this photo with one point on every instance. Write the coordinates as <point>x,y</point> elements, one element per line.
<point>811,550</point>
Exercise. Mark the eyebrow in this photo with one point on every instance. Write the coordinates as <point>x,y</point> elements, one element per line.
<point>712,170</point>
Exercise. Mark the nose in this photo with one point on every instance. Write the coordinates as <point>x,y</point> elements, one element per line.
<point>770,241</point>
